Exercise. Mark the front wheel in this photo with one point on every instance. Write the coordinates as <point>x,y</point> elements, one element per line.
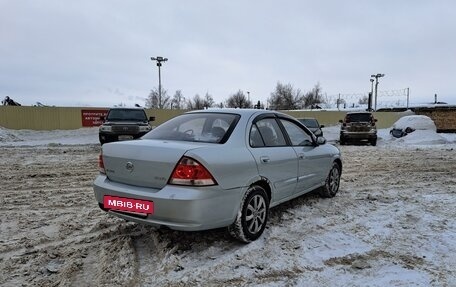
<point>332,182</point>
<point>252,217</point>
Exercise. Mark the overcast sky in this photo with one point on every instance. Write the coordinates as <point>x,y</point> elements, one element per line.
<point>97,53</point>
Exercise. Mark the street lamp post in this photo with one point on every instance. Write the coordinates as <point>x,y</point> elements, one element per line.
<point>159,64</point>
<point>371,94</point>
<point>376,86</point>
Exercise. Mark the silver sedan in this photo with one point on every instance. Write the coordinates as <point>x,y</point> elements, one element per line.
<point>215,168</point>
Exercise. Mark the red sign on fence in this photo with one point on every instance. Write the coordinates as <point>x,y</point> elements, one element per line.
<point>92,118</point>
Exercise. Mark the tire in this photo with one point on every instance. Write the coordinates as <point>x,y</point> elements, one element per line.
<point>373,142</point>
<point>332,182</point>
<point>252,217</point>
<point>341,141</point>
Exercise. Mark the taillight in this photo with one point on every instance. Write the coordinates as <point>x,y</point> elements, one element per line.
<point>190,172</point>
<point>101,167</point>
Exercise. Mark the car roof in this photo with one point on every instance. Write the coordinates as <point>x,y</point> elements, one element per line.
<point>351,113</point>
<point>241,112</point>
<point>126,108</point>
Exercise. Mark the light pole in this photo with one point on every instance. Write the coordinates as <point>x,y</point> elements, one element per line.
<point>159,64</point>
<point>376,86</point>
<point>369,106</point>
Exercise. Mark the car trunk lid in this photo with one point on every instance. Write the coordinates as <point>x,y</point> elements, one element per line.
<point>146,163</point>
<point>359,126</point>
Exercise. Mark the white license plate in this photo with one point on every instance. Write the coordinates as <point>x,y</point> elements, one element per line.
<point>125,137</point>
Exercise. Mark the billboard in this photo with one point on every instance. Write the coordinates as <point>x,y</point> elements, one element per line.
<point>92,118</point>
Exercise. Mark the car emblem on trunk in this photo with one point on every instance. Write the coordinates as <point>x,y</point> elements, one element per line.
<point>129,166</point>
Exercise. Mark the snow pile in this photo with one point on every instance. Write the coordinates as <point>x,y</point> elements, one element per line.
<point>7,136</point>
<point>417,122</point>
<point>56,137</point>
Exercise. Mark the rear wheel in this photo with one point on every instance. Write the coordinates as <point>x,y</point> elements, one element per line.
<point>373,142</point>
<point>253,216</point>
<point>332,182</point>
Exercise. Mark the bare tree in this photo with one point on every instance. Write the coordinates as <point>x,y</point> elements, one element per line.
<point>178,101</point>
<point>238,100</point>
<point>314,97</point>
<point>285,97</point>
<point>155,101</point>
<point>196,103</point>
<point>208,101</point>
<point>364,100</point>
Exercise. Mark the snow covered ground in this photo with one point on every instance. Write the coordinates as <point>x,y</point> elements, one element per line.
<point>391,224</point>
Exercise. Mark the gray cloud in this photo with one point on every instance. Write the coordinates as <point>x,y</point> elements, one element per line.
<point>98,52</point>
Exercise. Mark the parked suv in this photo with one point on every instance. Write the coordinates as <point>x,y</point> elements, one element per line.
<point>358,126</point>
<point>124,124</point>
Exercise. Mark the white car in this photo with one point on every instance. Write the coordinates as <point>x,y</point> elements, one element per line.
<point>409,124</point>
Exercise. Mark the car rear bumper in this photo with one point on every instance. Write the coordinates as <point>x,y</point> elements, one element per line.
<point>359,135</point>
<point>177,207</point>
<point>107,137</point>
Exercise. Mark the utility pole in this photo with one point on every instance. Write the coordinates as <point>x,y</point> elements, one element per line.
<point>376,86</point>
<point>159,64</point>
<point>369,106</point>
<point>408,97</point>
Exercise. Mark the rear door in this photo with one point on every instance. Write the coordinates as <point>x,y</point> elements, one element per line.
<point>276,160</point>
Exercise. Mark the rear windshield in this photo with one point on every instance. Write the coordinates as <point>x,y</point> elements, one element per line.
<point>197,127</point>
<point>310,123</point>
<point>127,115</point>
<point>358,118</point>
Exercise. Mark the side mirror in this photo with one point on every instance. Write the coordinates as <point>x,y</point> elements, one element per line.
<point>375,120</point>
<point>341,121</point>
<point>102,118</point>
<point>322,126</point>
<point>151,119</point>
<point>321,140</point>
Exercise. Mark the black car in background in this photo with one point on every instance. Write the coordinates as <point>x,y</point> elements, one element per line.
<point>313,125</point>
<point>124,124</point>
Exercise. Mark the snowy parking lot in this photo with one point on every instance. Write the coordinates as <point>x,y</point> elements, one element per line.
<point>391,224</point>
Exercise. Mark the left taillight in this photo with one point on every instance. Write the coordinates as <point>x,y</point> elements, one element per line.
<point>101,167</point>
<point>190,172</point>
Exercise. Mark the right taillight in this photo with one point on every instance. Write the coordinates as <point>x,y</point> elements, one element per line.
<point>190,172</point>
<point>101,167</point>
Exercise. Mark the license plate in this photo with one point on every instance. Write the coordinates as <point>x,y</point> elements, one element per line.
<point>125,137</point>
<point>128,204</point>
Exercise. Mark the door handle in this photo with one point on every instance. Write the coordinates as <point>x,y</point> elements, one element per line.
<point>301,156</point>
<point>264,159</point>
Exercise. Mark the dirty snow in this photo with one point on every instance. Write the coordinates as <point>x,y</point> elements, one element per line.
<point>391,224</point>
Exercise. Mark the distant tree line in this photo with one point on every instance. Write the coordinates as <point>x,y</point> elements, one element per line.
<point>284,97</point>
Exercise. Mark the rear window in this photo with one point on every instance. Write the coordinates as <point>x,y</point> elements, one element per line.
<point>358,118</point>
<point>310,123</point>
<point>197,127</point>
<point>126,115</point>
